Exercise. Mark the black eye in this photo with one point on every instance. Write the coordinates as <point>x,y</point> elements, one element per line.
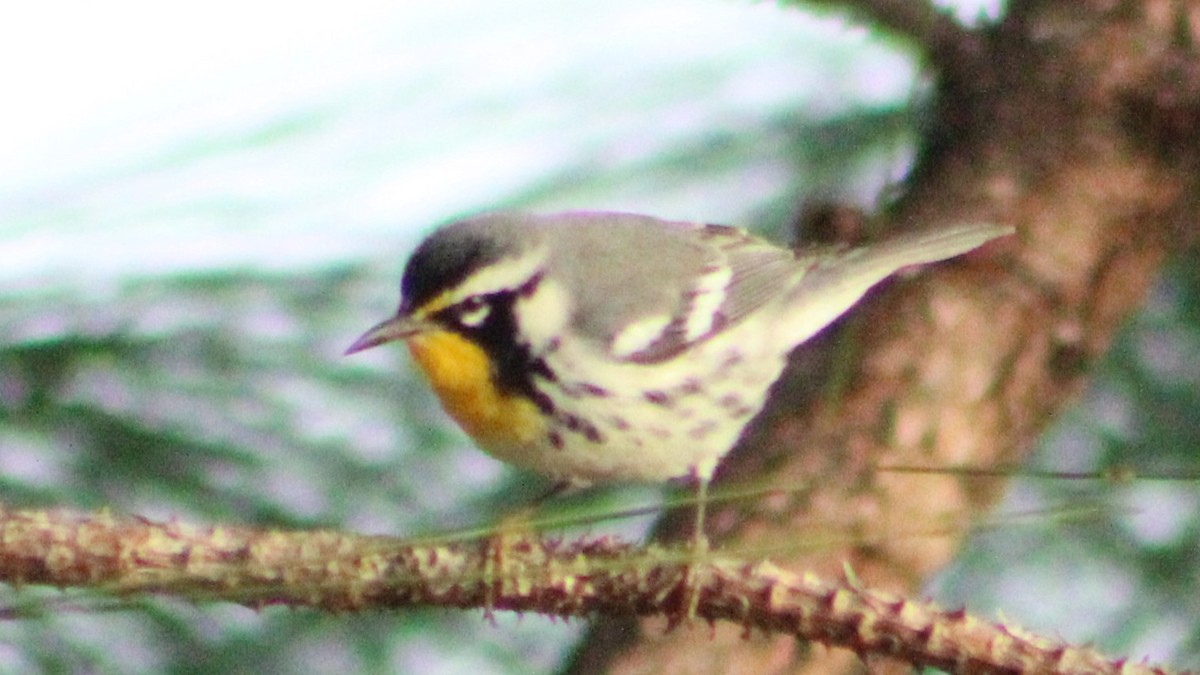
<point>472,304</point>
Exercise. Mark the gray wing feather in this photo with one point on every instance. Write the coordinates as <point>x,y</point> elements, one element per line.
<point>625,268</point>
<point>760,271</point>
<point>754,272</point>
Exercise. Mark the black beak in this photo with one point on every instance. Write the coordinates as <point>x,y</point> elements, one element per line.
<point>398,327</point>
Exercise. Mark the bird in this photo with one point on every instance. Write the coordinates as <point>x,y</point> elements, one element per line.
<point>595,347</point>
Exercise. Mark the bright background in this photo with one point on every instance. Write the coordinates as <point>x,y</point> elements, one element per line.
<point>200,207</point>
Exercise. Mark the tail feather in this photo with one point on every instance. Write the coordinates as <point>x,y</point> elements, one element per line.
<point>836,280</point>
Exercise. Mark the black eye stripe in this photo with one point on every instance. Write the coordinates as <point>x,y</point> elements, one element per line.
<point>472,303</point>
<point>513,366</point>
<point>475,302</point>
<point>452,313</point>
<point>530,287</point>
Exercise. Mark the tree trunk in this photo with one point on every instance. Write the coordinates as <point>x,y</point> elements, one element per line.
<point>1075,121</point>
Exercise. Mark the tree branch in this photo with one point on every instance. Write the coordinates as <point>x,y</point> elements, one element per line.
<point>340,572</point>
<point>1053,129</point>
<point>942,41</point>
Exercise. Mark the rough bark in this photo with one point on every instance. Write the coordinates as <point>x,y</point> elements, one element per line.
<point>522,572</point>
<point>1076,122</point>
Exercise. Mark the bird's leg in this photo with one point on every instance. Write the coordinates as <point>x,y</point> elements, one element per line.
<point>699,548</point>
<point>699,539</point>
<point>559,488</point>
<point>521,517</point>
<point>511,527</point>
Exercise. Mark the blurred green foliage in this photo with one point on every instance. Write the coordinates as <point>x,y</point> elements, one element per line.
<point>222,396</point>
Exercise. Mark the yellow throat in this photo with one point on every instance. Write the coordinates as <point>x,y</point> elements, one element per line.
<point>460,373</point>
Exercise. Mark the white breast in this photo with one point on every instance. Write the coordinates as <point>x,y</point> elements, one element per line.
<point>652,422</point>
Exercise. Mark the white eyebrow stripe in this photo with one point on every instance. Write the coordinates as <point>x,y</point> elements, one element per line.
<point>504,274</point>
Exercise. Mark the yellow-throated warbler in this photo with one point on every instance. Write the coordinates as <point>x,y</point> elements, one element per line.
<point>609,346</point>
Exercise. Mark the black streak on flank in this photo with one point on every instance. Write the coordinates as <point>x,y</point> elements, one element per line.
<point>543,402</point>
<point>584,390</point>
<point>594,390</point>
<point>659,398</point>
<point>730,401</point>
<point>583,427</point>
<point>732,359</point>
<point>736,407</point>
<point>703,430</point>
<point>593,434</point>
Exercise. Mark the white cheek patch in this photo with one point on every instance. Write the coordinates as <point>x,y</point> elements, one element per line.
<point>505,274</point>
<point>707,297</point>
<point>544,314</point>
<point>639,335</point>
